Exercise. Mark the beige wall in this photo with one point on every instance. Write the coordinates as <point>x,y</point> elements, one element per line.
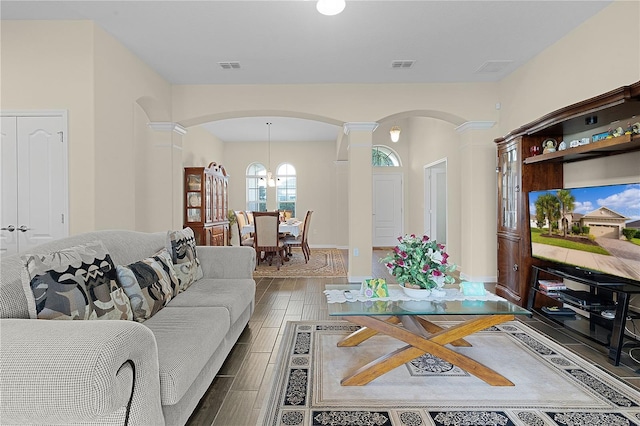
<point>75,65</point>
<point>120,80</point>
<point>316,179</point>
<point>200,147</point>
<point>49,65</point>
<point>433,140</point>
<point>598,56</point>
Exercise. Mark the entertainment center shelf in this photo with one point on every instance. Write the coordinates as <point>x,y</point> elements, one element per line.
<point>606,293</point>
<point>624,143</point>
<point>524,168</point>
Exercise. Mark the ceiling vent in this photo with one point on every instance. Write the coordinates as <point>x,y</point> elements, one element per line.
<point>402,64</point>
<point>229,65</point>
<point>490,67</point>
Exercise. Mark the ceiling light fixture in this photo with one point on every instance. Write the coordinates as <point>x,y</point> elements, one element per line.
<point>330,7</point>
<point>395,133</point>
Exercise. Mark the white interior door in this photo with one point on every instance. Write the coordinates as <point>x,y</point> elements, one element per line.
<point>35,181</point>
<point>387,209</point>
<point>435,201</point>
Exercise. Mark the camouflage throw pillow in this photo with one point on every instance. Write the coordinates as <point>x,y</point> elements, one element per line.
<point>182,246</point>
<point>150,284</point>
<point>77,283</point>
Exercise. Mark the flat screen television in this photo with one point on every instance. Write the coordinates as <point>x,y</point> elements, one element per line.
<point>594,228</point>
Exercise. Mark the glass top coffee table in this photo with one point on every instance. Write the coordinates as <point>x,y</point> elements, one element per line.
<point>402,320</point>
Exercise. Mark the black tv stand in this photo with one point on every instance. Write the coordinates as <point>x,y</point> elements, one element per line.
<point>605,293</point>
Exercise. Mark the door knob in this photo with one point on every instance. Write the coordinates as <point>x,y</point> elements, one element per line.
<point>23,228</point>
<point>9,228</point>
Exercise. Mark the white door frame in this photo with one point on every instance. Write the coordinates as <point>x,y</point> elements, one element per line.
<point>433,198</point>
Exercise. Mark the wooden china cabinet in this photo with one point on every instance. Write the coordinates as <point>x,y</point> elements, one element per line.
<point>206,204</point>
<point>515,180</point>
<point>522,167</point>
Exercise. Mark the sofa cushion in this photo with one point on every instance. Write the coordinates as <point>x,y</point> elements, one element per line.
<point>78,282</point>
<point>186,339</point>
<point>182,246</point>
<point>149,283</point>
<point>233,294</point>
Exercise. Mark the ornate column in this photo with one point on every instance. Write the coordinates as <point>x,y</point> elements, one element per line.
<point>360,186</point>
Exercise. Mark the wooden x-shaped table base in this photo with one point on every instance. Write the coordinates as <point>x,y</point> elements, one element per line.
<point>422,337</point>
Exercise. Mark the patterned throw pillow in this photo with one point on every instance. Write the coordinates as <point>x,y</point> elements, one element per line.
<point>77,283</point>
<point>182,246</point>
<point>150,284</point>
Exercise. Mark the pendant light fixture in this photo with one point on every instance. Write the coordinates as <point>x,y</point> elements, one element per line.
<point>330,7</point>
<point>270,181</point>
<point>395,133</point>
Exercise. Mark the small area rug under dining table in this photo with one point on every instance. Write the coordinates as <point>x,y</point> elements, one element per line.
<point>322,263</point>
<point>553,386</point>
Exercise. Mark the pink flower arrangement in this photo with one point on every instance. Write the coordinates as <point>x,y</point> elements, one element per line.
<point>418,261</point>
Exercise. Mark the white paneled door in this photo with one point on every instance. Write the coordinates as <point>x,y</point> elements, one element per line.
<point>435,201</point>
<point>34,181</point>
<point>387,209</point>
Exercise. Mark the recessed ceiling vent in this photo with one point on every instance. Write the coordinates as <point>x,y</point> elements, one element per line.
<point>229,65</point>
<point>403,64</point>
<point>491,67</point>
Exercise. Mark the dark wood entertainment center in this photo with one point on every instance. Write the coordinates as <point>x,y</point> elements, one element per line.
<point>522,167</point>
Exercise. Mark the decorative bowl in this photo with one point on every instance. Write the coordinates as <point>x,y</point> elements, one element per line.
<point>416,293</point>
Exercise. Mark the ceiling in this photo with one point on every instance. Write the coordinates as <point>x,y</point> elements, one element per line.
<point>289,42</point>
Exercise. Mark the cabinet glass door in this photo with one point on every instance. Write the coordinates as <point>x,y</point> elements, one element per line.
<point>208,195</point>
<point>509,187</point>
<point>193,195</point>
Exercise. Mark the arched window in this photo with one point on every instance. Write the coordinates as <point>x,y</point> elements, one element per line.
<point>382,156</point>
<point>256,188</point>
<point>286,188</point>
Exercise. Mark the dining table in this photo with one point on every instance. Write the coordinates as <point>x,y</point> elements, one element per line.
<point>292,228</point>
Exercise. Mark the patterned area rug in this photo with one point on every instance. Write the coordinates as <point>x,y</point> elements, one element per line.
<point>323,263</point>
<point>552,385</point>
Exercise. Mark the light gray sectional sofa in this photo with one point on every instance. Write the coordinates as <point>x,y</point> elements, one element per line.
<point>115,371</point>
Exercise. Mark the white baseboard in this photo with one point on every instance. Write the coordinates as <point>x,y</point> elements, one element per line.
<point>357,279</point>
<point>323,246</point>
<point>478,278</point>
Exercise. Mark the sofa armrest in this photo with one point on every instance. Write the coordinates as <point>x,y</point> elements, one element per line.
<point>62,372</point>
<point>227,262</point>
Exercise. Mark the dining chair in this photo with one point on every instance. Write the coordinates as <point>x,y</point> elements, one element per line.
<point>266,239</point>
<point>244,240</point>
<point>301,240</point>
<point>249,217</point>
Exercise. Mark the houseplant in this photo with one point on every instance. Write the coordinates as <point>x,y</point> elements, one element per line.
<point>419,263</point>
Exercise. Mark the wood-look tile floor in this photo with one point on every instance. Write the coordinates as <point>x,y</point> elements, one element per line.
<point>240,388</point>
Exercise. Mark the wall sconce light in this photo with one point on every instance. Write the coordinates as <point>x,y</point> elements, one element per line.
<point>395,133</point>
